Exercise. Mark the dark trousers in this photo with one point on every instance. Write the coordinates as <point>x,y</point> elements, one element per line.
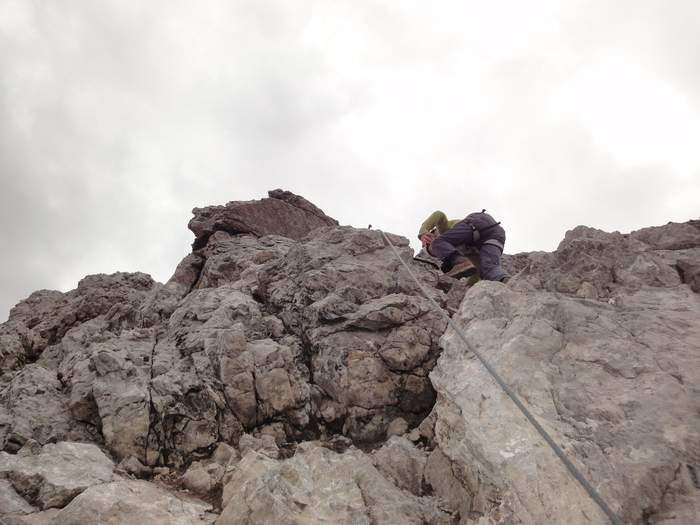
<point>445,248</point>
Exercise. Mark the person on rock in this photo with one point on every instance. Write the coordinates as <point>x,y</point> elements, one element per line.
<point>478,231</point>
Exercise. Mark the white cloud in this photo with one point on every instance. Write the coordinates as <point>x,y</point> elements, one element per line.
<point>118,117</point>
<point>638,117</point>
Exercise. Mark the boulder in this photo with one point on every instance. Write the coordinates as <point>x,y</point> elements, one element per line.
<point>132,503</point>
<point>39,322</point>
<point>55,474</point>
<point>11,502</point>
<point>403,464</point>
<point>369,334</point>
<point>283,213</point>
<point>318,485</point>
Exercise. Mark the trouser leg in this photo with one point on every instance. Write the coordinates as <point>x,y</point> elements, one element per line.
<point>444,246</point>
<point>491,263</point>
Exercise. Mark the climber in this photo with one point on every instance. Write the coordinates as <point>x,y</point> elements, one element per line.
<point>478,231</point>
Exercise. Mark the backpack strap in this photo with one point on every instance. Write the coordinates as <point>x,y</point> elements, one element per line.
<point>476,232</point>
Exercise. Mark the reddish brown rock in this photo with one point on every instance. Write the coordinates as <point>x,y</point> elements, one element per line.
<point>283,214</point>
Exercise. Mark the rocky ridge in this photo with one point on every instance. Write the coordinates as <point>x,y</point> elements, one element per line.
<point>291,371</point>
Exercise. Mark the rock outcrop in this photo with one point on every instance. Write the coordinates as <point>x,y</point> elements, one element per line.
<point>602,341</point>
<point>283,214</point>
<point>292,371</point>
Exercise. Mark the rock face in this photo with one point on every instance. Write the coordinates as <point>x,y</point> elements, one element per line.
<point>320,486</point>
<point>284,342</point>
<point>283,213</point>
<point>610,366</point>
<point>55,474</point>
<point>128,503</point>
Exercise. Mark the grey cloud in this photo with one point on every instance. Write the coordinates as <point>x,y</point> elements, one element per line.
<point>117,118</point>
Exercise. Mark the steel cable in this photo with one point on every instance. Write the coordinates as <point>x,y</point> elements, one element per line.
<point>557,450</point>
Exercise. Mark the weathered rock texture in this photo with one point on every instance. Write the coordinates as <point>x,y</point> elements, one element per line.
<point>53,475</point>
<point>284,342</point>
<point>318,485</point>
<point>610,365</point>
<point>283,213</point>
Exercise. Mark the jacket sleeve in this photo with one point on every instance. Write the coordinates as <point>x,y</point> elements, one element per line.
<point>436,220</point>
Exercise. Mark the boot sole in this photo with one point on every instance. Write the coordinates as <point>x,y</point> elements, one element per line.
<point>466,272</point>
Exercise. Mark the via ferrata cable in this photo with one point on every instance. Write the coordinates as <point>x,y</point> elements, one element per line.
<point>557,450</point>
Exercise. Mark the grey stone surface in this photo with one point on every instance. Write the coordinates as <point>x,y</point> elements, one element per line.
<point>131,503</point>
<point>612,379</point>
<point>319,486</point>
<point>55,474</point>
<point>283,339</point>
<point>282,213</point>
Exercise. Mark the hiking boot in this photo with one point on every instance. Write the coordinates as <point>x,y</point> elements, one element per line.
<point>463,268</point>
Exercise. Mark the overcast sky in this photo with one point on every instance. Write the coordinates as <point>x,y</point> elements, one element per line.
<point>117,117</point>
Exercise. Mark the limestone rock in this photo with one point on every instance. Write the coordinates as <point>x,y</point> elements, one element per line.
<point>57,474</point>
<point>131,503</point>
<point>450,484</point>
<point>403,464</point>
<point>613,381</point>
<point>318,485</point>
<point>197,479</point>
<point>612,262</point>
<point>11,502</point>
<point>345,293</point>
<point>284,339</point>
<point>43,517</point>
<point>35,408</point>
<point>133,466</point>
<point>42,320</point>
<point>283,213</point>
<point>303,337</point>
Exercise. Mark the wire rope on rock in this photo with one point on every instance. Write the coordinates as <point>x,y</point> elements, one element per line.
<point>557,450</point>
